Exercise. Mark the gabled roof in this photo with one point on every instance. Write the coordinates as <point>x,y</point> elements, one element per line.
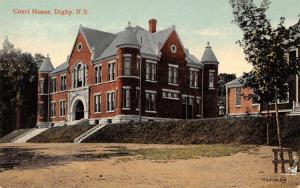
<point>238,82</point>
<point>46,66</point>
<point>60,68</point>
<point>97,40</point>
<point>148,41</point>
<point>104,45</point>
<point>208,55</point>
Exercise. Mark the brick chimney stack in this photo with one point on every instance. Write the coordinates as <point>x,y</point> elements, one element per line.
<point>152,25</point>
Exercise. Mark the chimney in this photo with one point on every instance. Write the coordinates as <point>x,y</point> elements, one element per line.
<point>152,25</point>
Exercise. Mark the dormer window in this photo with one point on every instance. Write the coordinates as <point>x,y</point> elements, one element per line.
<point>79,47</point>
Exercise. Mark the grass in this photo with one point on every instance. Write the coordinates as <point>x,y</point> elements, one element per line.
<point>193,152</point>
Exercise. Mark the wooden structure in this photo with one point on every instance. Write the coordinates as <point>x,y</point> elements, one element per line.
<point>280,152</point>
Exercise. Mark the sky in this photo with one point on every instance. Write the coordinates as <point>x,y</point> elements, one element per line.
<point>196,21</point>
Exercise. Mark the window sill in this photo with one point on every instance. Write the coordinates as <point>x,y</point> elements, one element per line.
<point>53,117</point>
<point>238,106</point>
<point>171,98</point>
<point>198,115</point>
<point>110,111</point>
<point>194,87</point>
<point>62,116</point>
<point>97,112</point>
<point>154,112</point>
<point>172,84</point>
<point>152,81</point>
<point>211,88</point>
<point>126,108</point>
<point>128,76</point>
<point>110,81</point>
<point>254,104</point>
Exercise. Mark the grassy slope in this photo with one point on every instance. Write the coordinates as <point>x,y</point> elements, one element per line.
<point>60,134</point>
<point>209,131</point>
<point>13,135</point>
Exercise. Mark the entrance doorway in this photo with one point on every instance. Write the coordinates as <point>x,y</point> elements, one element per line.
<point>79,110</point>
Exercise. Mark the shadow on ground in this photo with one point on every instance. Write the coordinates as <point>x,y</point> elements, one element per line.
<point>25,158</point>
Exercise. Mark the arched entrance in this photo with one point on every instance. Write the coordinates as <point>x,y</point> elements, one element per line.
<point>79,110</point>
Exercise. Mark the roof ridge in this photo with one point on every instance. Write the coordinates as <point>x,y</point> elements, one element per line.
<point>83,27</point>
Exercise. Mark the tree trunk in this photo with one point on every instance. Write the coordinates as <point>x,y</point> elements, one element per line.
<point>277,123</point>
<point>268,120</point>
<point>18,109</point>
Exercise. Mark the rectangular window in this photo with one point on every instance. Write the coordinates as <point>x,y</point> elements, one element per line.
<point>97,103</point>
<point>126,98</point>
<point>53,85</point>
<point>150,102</point>
<point>211,79</point>
<point>41,109</point>
<point>63,82</point>
<point>53,109</point>
<point>170,94</point>
<point>110,102</point>
<point>62,107</point>
<point>111,72</point>
<point>173,75</point>
<point>98,74</point>
<point>199,106</point>
<point>238,96</point>
<point>137,96</point>
<point>42,86</point>
<point>127,66</point>
<point>193,78</point>
<point>151,71</point>
<point>138,62</point>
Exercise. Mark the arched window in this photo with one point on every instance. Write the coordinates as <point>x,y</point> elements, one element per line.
<point>79,75</point>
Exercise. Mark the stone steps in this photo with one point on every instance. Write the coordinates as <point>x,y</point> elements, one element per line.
<point>30,134</point>
<point>88,133</point>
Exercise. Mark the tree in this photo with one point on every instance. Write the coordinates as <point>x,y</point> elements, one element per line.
<point>18,87</point>
<point>265,48</point>
<point>223,78</point>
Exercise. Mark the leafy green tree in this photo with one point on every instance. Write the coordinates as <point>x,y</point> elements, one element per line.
<point>265,48</point>
<point>18,88</point>
<point>223,78</point>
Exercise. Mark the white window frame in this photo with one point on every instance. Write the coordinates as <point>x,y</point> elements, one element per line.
<point>170,94</point>
<point>127,65</point>
<point>126,98</point>
<point>111,71</point>
<point>63,82</point>
<point>238,98</point>
<point>111,101</point>
<point>211,79</point>
<point>53,84</point>
<point>53,109</point>
<point>150,93</point>
<point>194,74</point>
<point>62,108</point>
<point>151,70</point>
<point>42,85</point>
<point>97,103</point>
<point>173,74</point>
<point>98,74</point>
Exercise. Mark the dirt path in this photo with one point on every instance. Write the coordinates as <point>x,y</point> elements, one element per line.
<point>55,169</point>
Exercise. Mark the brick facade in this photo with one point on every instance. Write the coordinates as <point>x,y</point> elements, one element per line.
<point>171,54</point>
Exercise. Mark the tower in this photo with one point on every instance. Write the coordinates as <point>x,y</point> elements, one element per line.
<point>43,115</point>
<point>210,76</point>
<point>128,66</point>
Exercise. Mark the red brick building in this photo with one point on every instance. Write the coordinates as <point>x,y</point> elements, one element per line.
<point>111,77</point>
<point>238,105</point>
